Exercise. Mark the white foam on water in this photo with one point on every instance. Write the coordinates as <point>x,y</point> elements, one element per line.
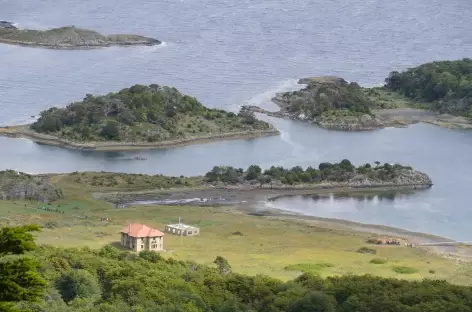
<point>33,25</point>
<point>147,49</point>
<point>263,99</point>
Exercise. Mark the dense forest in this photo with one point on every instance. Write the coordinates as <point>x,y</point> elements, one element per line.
<point>326,172</point>
<point>48,279</point>
<point>447,85</point>
<point>141,114</point>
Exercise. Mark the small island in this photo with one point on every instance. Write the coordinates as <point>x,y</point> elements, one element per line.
<point>68,37</point>
<point>139,117</point>
<point>439,93</point>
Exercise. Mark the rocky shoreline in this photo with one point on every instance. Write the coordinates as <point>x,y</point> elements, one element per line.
<point>68,38</point>
<point>211,194</point>
<point>24,132</point>
<point>364,123</point>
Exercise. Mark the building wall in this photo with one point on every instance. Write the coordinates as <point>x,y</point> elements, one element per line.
<point>129,242</point>
<point>156,243</point>
<point>191,231</point>
<point>142,243</point>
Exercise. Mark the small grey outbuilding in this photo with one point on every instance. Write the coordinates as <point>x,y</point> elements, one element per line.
<point>182,229</point>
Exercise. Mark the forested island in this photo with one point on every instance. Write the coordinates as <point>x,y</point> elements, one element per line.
<point>139,117</point>
<point>437,92</point>
<point>68,37</point>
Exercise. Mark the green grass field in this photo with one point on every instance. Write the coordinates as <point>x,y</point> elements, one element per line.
<point>277,247</point>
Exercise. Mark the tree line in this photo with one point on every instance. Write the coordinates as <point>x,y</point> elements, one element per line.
<point>49,279</point>
<point>447,85</point>
<point>326,172</point>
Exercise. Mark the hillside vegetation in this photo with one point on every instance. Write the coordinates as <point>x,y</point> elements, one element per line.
<point>110,280</point>
<point>330,102</point>
<point>18,185</point>
<point>142,114</point>
<point>69,37</point>
<point>445,85</point>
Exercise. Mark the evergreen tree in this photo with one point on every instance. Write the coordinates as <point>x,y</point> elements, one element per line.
<point>19,279</point>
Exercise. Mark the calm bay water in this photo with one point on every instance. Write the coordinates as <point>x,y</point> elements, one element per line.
<point>228,53</point>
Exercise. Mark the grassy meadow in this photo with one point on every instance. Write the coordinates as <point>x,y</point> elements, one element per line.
<point>275,246</point>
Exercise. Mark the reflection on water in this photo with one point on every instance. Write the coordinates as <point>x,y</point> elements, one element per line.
<point>358,197</point>
<point>405,209</point>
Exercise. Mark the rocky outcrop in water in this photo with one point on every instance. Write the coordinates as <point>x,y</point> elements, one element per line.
<point>22,186</point>
<point>69,37</point>
<point>403,177</point>
<point>7,25</point>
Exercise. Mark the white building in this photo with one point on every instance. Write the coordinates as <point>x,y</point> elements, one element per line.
<point>182,229</point>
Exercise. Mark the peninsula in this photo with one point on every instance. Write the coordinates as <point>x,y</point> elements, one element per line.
<point>139,117</point>
<point>68,37</point>
<point>226,185</point>
<point>216,183</point>
<point>437,93</point>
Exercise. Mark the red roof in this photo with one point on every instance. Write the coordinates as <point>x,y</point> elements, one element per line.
<point>141,230</point>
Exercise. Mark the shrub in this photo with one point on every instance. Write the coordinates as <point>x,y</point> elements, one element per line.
<point>432,271</point>
<point>78,284</point>
<point>378,261</point>
<point>51,225</point>
<point>150,256</point>
<point>367,250</point>
<point>404,270</point>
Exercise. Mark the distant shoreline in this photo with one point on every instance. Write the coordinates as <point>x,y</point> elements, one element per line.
<point>73,47</point>
<point>68,38</point>
<point>23,131</point>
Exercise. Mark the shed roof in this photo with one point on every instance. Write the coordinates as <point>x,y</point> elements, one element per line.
<point>181,226</point>
<point>141,230</point>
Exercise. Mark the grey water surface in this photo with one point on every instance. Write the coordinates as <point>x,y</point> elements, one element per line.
<point>229,53</point>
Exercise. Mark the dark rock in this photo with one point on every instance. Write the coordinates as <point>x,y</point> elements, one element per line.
<point>8,25</point>
<point>324,79</point>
